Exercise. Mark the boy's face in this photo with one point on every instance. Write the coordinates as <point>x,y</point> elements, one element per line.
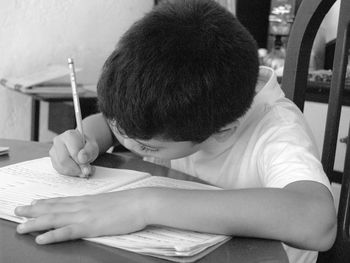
<point>158,148</point>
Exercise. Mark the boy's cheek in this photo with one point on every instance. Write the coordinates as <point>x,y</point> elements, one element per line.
<point>127,143</point>
<point>171,154</point>
<point>130,145</point>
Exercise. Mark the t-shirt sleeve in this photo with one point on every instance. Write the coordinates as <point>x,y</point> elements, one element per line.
<point>290,155</point>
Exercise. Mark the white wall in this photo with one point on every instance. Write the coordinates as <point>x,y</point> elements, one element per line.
<point>326,33</point>
<point>330,22</point>
<point>35,33</point>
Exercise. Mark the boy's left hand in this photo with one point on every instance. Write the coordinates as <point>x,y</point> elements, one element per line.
<point>77,217</point>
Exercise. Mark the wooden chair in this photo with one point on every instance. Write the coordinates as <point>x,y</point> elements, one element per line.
<point>308,19</point>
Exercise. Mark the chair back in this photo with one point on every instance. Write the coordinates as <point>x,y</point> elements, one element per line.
<point>308,19</point>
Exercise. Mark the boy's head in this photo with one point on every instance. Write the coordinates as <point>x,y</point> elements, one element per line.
<point>181,73</point>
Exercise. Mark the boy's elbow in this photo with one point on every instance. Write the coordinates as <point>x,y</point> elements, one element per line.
<point>315,224</point>
<point>326,237</point>
<point>322,229</point>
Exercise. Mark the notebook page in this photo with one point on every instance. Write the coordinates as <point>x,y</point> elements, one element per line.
<point>189,259</point>
<point>24,182</point>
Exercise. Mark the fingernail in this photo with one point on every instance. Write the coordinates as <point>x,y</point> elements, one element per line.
<point>39,239</point>
<point>85,170</point>
<point>20,228</point>
<point>18,209</point>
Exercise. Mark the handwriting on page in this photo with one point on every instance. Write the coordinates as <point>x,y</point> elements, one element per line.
<point>24,182</point>
<point>18,184</point>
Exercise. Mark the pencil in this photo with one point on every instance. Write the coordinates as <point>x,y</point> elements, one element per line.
<point>76,102</point>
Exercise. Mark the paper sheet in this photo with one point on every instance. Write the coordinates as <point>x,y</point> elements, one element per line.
<point>163,241</point>
<point>168,242</point>
<point>24,182</point>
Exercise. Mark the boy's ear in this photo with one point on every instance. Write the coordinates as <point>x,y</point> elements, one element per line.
<point>226,131</point>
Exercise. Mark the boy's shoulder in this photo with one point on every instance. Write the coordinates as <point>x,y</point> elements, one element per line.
<point>271,111</point>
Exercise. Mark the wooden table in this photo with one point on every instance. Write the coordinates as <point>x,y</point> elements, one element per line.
<point>16,248</point>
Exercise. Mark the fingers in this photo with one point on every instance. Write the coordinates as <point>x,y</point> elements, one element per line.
<point>69,232</point>
<point>63,228</point>
<point>73,141</point>
<point>42,208</point>
<point>62,161</point>
<point>89,153</point>
<point>63,153</point>
<point>67,225</point>
<point>80,216</point>
<point>44,222</point>
<point>70,156</point>
<point>62,200</point>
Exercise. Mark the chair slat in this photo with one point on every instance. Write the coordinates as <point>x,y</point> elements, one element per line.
<point>294,83</point>
<point>337,87</point>
<point>307,21</point>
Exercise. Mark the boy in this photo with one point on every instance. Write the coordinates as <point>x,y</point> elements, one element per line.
<point>184,85</point>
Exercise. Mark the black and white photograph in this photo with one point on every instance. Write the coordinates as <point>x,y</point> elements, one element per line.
<point>149,131</point>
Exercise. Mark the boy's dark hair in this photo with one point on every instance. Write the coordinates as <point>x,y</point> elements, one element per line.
<point>181,73</point>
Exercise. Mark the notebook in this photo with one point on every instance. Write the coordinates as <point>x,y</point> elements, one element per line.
<point>39,81</point>
<point>24,182</point>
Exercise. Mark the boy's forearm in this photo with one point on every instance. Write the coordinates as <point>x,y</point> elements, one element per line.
<point>298,219</point>
<point>96,127</point>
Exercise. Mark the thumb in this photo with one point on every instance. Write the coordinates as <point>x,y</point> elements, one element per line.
<point>89,153</point>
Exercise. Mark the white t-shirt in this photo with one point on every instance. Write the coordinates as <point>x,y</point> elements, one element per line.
<point>272,146</point>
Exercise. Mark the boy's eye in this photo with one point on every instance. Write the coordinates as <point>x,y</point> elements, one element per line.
<point>147,149</point>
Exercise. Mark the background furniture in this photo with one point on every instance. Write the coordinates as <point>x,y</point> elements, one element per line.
<point>61,116</point>
<point>254,15</point>
<point>23,249</point>
<point>294,84</point>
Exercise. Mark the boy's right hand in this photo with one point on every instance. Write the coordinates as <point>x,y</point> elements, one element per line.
<point>70,156</point>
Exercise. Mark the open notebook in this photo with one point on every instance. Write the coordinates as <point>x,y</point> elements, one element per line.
<point>24,182</point>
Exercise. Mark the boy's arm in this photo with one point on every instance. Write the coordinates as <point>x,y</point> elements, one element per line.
<point>302,214</point>
<point>96,127</point>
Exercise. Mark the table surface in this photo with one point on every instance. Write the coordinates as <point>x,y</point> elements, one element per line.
<point>22,248</point>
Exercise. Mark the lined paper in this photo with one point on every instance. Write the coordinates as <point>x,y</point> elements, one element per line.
<point>24,182</point>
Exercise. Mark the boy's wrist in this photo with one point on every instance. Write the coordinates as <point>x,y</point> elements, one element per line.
<point>150,200</point>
